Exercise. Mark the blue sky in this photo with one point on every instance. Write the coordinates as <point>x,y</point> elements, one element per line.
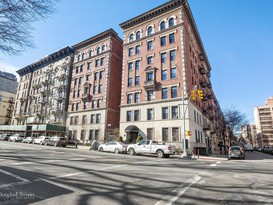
<point>237,36</point>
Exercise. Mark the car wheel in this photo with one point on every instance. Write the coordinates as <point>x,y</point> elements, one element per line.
<point>131,151</point>
<point>116,151</point>
<point>101,149</point>
<point>159,154</point>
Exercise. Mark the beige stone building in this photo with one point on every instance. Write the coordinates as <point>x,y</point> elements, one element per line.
<point>42,96</point>
<point>163,61</point>
<point>264,123</point>
<point>95,88</point>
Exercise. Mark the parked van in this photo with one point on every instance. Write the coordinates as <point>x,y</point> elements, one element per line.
<point>248,147</point>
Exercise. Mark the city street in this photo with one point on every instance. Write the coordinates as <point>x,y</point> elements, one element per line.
<point>35,174</point>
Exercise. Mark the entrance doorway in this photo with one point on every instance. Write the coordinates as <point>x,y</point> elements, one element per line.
<point>131,134</point>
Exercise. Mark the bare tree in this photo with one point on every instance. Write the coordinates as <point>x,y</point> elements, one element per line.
<point>234,120</point>
<point>16,17</point>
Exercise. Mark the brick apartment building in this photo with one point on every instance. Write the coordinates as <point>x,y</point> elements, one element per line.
<point>163,56</point>
<point>95,88</point>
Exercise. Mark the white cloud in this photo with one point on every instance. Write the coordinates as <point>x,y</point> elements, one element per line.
<point>7,67</point>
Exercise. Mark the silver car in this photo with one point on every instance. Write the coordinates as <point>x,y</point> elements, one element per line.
<point>113,146</point>
<point>236,152</point>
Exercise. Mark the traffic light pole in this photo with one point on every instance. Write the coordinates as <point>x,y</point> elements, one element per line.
<point>184,122</point>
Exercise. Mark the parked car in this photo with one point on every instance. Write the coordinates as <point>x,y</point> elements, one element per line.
<point>38,140</point>
<point>113,146</point>
<point>15,138</point>
<point>56,141</point>
<point>27,140</point>
<point>44,140</point>
<point>73,143</point>
<point>248,147</point>
<point>151,147</point>
<point>236,152</point>
<point>4,137</point>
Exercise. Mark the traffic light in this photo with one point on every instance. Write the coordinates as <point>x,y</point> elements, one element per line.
<point>188,133</point>
<point>193,95</point>
<point>200,94</point>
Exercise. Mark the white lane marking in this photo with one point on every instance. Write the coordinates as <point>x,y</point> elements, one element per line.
<point>179,191</point>
<point>113,167</point>
<point>69,175</point>
<point>22,163</point>
<point>219,162</point>
<point>22,180</point>
<point>213,165</point>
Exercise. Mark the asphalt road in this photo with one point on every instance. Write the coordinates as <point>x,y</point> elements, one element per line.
<point>35,174</point>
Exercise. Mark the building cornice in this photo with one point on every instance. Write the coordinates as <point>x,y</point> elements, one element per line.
<point>152,13</point>
<point>97,38</point>
<point>62,53</point>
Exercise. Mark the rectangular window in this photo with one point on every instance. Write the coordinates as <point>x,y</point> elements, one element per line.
<point>149,45</point>
<point>150,60</point>
<point>130,67</point>
<point>150,95</point>
<point>92,121</point>
<point>137,49</point>
<point>74,93</point>
<point>91,135</point>
<point>150,114</point>
<point>174,92</point>
<point>137,64</point>
<point>94,104</point>
<point>174,112</point>
<point>129,98</point>
<point>175,134</point>
<point>164,93</point>
<point>88,77</point>
<point>137,97</point>
<point>101,74</point>
<point>97,62</point>
<point>82,135</point>
<point>164,75</point>
<point>149,76</point>
<point>136,115</point>
<point>79,93</point>
<point>76,81</point>
<point>102,61</point>
<point>80,80</point>
<point>85,105</point>
<point>89,65</point>
<point>77,106</point>
<point>81,68</point>
<point>71,120</point>
<point>95,90</point>
<point>100,88</point>
<point>131,50</point>
<point>97,134</point>
<point>165,134</point>
<point>130,82</point>
<point>165,113</point>
<point>150,133</point>
<point>172,55</point>
<point>163,41</point>
<point>96,76</point>
<point>173,73</point>
<point>99,103</point>
<point>76,120</point>
<point>128,116</point>
<point>137,80</point>
<point>97,118</point>
<point>171,38</point>
<point>163,57</point>
<point>84,117</point>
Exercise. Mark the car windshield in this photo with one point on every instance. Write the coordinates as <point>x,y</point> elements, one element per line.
<point>235,148</point>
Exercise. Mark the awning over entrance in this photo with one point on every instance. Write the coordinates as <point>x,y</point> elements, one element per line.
<point>132,128</point>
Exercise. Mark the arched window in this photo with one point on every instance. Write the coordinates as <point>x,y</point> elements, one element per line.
<point>131,37</point>
<point>79,57</point>
<point>103,48</point>
<point>171,22</point>
<point>90,53</point>
<point>83,56</point>
<point>150,30</point>
<point>137,35</point>
<point>162,25</point>
<point>98,50</point>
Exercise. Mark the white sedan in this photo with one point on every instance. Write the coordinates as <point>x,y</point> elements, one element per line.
<point>113,146</point>
<point>38,140</point>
